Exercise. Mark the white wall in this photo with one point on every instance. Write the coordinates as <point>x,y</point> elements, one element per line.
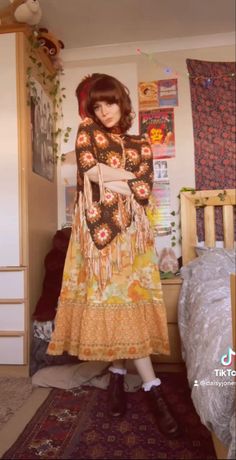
<point>133,68</point>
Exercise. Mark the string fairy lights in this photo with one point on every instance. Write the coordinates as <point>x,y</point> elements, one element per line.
<point>205,80</point>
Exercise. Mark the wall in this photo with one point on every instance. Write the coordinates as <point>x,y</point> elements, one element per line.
<point>124,61</point>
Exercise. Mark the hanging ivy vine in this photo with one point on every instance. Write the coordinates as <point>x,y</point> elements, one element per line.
<point>52,83</point>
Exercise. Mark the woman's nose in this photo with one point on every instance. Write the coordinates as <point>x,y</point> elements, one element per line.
<point>104,109</point>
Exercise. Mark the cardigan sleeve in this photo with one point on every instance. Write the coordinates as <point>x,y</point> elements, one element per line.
<point>84,147</point>
<point>141,187</point>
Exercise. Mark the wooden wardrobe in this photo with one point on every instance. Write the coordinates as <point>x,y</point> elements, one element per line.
<point>28,202</point>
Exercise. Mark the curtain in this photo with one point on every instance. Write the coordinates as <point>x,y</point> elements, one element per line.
<point>212,88</point>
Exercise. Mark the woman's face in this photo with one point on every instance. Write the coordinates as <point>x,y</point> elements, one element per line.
<point>108,114</point>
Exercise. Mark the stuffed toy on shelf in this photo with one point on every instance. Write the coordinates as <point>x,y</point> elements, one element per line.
<point>29,12</point>
<point>21,11</point>
<point>51,45</point>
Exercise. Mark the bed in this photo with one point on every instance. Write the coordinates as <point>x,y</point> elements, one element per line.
<point>206,313</point>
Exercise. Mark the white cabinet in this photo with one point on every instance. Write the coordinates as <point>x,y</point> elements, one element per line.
<point>13,316</point>
<point>12,350</point>
<point>12,284</point>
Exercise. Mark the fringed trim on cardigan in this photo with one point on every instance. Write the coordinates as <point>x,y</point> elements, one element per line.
<point>101,263</point>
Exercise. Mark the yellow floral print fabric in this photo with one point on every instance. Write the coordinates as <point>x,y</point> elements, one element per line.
<point>126,319</point>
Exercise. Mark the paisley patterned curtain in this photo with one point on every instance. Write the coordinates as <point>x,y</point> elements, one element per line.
<point>212,87</point>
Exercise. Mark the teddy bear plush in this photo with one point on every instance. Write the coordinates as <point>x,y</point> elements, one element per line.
<point>29,12</point>
<point>7,13</point>
<point>23,11</point>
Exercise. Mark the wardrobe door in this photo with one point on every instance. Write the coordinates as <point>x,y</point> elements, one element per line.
<point>9,158</point>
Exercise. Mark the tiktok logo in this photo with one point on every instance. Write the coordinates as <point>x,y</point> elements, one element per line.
<point>226,360</point>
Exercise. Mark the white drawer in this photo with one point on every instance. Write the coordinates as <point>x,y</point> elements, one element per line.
<point>11,350</point>
<point>12,317</point>
<point>12,284</point>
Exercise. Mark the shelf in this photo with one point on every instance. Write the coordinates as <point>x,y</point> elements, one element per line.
<point>12,333</point>
<point>174,280</point>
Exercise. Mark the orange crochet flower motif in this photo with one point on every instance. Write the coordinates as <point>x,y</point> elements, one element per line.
<point>110,198</point>
<point>113,160</point>
<point>93,213</point>
<point>87,160</point>
<point>100,139</point>
<point>87,121</point>
<point>143,169</point>
<point>133,156</point>
<point>141,189</point>
<point>146,152</point>
<point>83,139</point>
<point>102,234</point>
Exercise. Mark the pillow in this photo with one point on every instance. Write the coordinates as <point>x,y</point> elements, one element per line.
<point>201,250</point>
<point>93,373</point>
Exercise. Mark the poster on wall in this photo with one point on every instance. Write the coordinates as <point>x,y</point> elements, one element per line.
<point>167,92</point>
<point>161,193</point>
<point>159,125</point>
<point>41,108</point>
<point>147,94</point>
<point>68,182</point>
<point>160,169</point>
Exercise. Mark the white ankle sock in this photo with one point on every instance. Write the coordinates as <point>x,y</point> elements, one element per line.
<point>117,370</point>
<point>153,383</point>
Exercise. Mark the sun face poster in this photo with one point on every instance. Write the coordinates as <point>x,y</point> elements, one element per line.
<point>147,94</point>
<point>159,125</point>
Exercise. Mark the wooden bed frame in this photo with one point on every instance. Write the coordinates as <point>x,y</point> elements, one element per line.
<point>208,199</point>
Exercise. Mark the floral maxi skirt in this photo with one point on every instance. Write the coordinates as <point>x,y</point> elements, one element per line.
<point>126,319</point>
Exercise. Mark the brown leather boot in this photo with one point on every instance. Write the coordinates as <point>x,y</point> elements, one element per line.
<point>116,395</point>
<point>165,420</point>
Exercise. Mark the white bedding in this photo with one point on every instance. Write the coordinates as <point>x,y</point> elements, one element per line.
<point>204,317</point>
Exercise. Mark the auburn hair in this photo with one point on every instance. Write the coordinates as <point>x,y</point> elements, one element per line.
<point>109,89</point>
<point>82,90</point>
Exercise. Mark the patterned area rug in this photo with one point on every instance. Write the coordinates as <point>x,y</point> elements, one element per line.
<point>13,393</point>
<point>74,424</point>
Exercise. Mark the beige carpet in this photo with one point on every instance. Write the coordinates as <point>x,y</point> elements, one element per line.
<point>13,393</point>
<point>19,400</point>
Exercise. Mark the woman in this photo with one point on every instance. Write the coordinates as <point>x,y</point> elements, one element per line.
<point>111,305</point>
